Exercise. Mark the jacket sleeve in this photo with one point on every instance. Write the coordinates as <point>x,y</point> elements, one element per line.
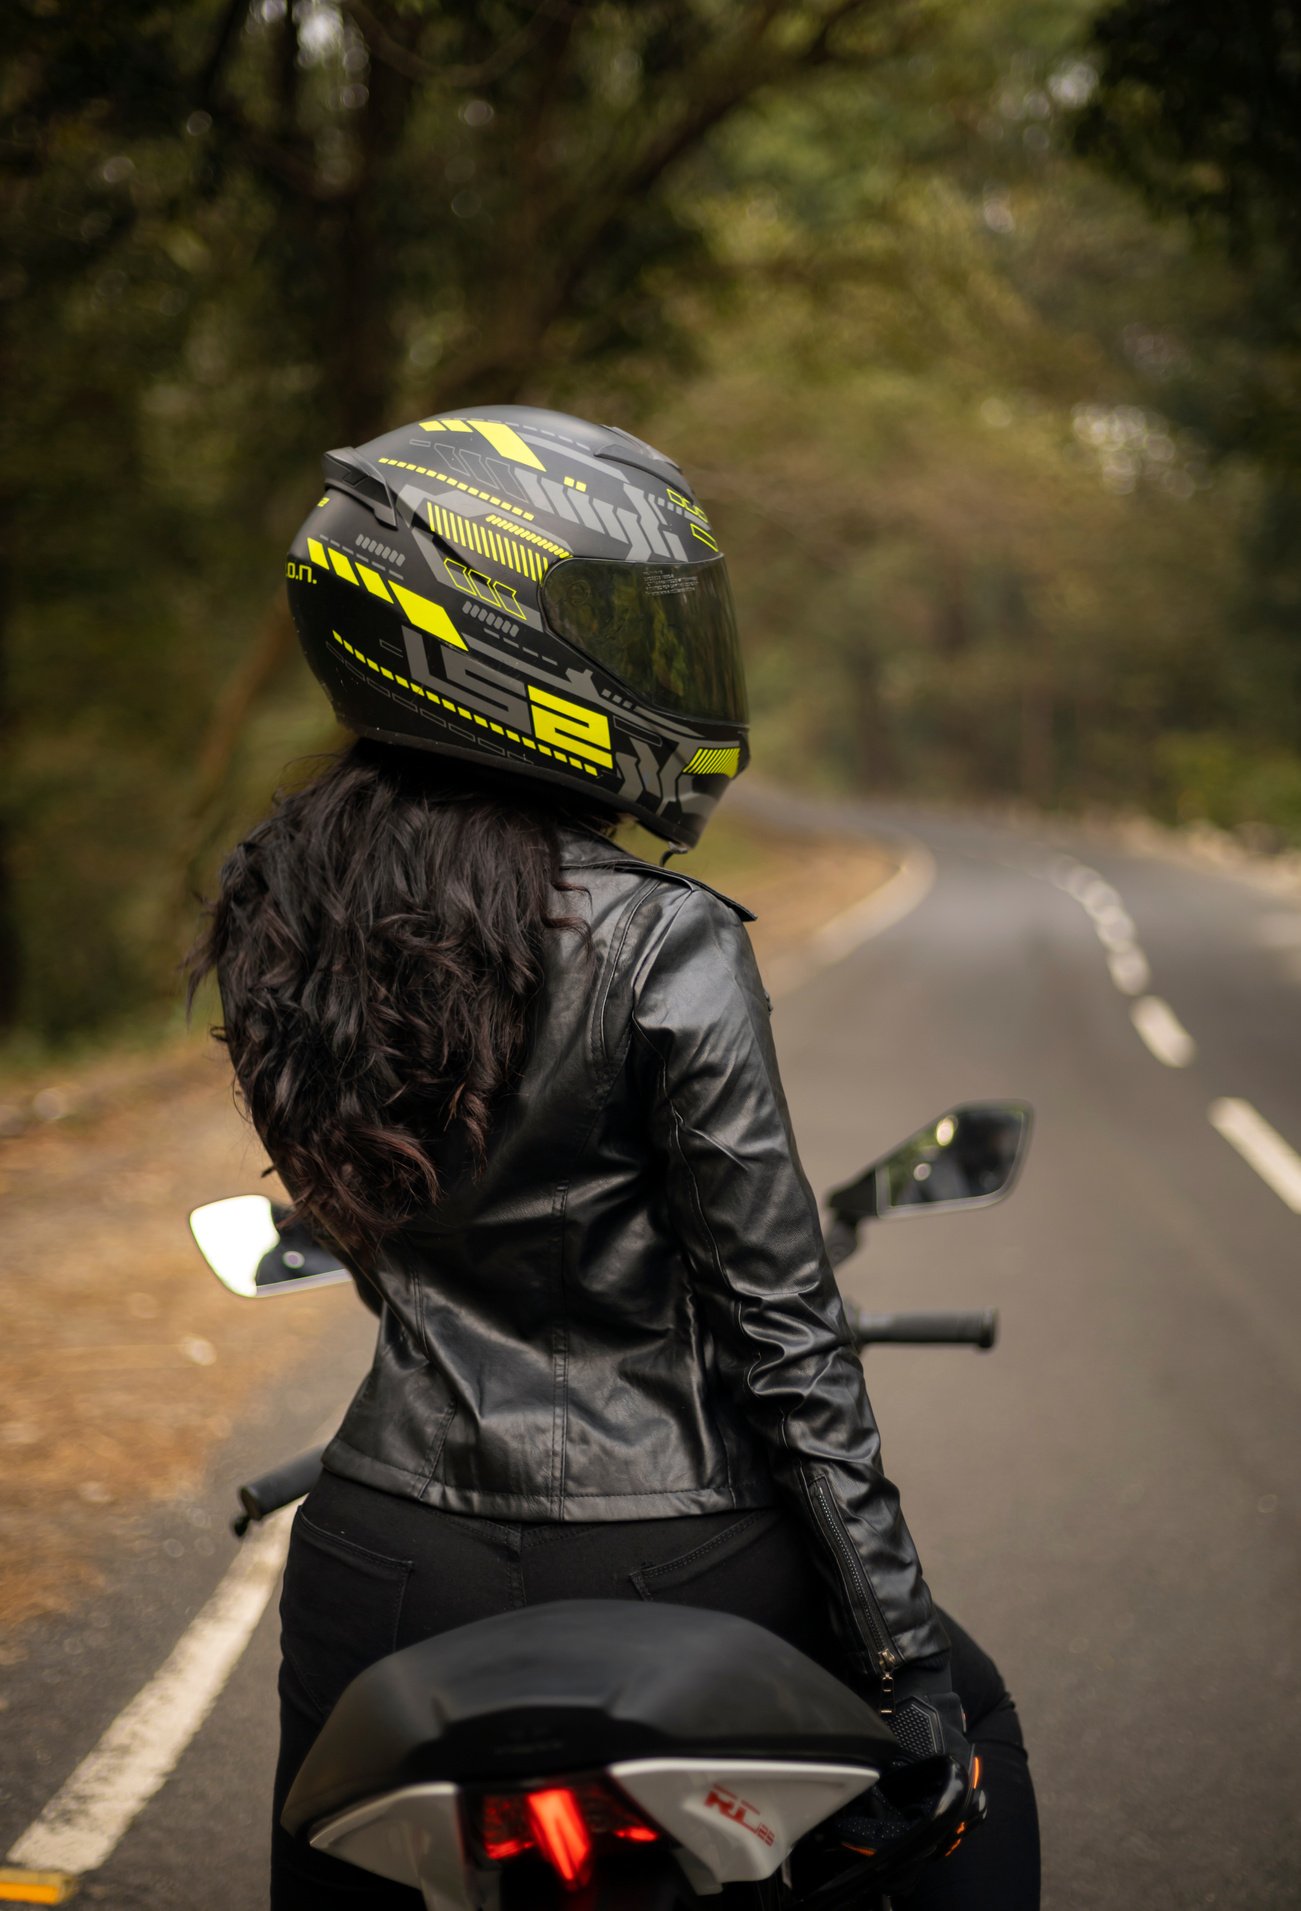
<point>748,1225</point>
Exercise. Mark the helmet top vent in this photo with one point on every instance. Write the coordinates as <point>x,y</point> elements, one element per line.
<point>345,470</point>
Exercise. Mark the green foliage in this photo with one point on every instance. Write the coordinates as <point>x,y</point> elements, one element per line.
<point>1201,106</point>
<point>238,234</point>
<point>956,476</point>
<point>1003,464</point>
<point>1213,777</point>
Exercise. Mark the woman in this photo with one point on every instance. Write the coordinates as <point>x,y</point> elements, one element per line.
<point>526,1083</point>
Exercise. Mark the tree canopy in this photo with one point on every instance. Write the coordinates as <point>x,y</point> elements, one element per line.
<point>998,444</point>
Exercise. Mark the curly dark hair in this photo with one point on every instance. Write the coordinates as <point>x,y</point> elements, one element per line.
<point>378,943</point>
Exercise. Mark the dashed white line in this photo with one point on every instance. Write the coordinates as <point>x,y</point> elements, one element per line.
<point>1261,1146</point>
<point>1112,922</point>
<point>1129,970</point>
<point>1163,1032</point>
<point>1276,1162</point>
<point>1115,929</point>
<point>82,1824</point>
<point>1156,1022</point>
<point>1077,879</point>
<point>1097,893</point>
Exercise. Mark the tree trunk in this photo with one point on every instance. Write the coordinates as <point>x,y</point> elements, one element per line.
<point>359,354</point>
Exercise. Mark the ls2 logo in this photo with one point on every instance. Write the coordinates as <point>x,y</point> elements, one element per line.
<point>730,1806</point>
<point>572,728</point>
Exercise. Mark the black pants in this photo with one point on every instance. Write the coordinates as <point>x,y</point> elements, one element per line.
<point>370,1572</point>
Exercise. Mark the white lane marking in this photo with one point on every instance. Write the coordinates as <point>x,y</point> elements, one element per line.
<point>1077,879</point>
<point>877,912</point>
<point>887,905</point>
<point>1129,970</point>
<point>1163,1032</point>
<point>1115,929</point>
<point>82,1824</point>
<point>1112,922</point>
<point>1099,897</point>
<point>1263,1147</point>
<point>1127,965</point>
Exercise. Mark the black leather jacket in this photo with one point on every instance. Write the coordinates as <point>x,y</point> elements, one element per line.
<point>630,1314</point>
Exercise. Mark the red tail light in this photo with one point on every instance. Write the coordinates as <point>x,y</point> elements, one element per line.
<point>562,1834</point>
<point>564,1824</point>
<point>504,1828</point>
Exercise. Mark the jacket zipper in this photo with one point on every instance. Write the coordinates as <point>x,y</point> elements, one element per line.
<point>866,1606</point>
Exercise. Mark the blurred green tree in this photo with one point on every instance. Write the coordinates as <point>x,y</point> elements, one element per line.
<point>983,549</point>
<point>1199,108</point>
<point>240,232</point>
<point>1202,108</point>
<point>1000,457</point>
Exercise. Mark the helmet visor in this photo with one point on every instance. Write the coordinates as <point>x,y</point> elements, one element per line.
<point>668,631</point>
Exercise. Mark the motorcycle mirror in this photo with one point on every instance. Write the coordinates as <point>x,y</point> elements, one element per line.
<point>968,1158</point>
<point>255,1250</point>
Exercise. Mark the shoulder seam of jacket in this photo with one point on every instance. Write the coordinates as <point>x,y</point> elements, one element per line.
<point>643,894</point>
<point>601,1003</point>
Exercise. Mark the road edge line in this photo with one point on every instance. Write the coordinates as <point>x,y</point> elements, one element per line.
<point>896,898</point>
<point>871,916</point>
<point>82,1825</point>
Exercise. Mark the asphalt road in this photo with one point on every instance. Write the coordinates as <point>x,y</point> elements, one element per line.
<point>1108,1500</point>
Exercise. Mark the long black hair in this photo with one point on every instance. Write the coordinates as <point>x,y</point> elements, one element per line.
<point>378,943</point>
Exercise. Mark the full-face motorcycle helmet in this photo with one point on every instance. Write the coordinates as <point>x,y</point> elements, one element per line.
<point>520,588</point>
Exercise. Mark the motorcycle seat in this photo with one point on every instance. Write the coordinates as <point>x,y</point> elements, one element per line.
<point>576,1686</point>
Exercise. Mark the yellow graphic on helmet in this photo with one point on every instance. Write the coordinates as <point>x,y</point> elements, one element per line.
<point>420,611</point>
<point>571,726</point>
<point>714,763</point>
<point>489,589</point>
<point>505,441</point>
<point>426,615</point>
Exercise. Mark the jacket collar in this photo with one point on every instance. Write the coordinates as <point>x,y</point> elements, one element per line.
<point>583,848</point>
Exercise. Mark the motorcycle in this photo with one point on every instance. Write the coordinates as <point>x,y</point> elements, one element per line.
<point>592,1754</point>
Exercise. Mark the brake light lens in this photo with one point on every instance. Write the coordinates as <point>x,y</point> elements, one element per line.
<point>504,1828</point>
<point>564,1824</point>
<point>561,1833</point>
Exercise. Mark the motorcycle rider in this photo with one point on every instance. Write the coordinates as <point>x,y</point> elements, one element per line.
<point>525,1082</point>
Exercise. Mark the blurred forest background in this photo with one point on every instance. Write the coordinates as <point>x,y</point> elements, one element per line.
<point>1003,295</point>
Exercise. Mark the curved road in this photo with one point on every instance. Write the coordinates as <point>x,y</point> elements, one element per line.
<point>1108,1500</point>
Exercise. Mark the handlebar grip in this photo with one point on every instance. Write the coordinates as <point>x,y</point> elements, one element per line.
<point>281,1487</point>
<point>924,1330</point>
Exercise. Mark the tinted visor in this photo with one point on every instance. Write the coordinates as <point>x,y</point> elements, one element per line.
<point>668,631</point>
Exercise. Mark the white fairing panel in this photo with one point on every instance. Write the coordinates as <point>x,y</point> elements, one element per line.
<point>412,1836</point>
<point>739,1817</point>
